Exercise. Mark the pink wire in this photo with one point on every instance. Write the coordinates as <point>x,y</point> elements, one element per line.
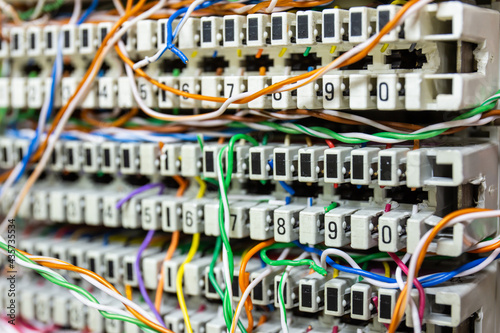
<point>419,287</point>
<point>375,301</point>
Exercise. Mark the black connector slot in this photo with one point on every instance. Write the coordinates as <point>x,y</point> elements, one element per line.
<point>253,64</point>
<point>210,64</point>
<point>404,194</point>
<point>406,59</point>
<point>32,68</point>
<point>359,65</point>
<point>298,62</point>
<point>352,192</point>
<point>169,65</point>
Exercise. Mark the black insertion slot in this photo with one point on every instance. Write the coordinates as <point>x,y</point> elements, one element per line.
<point>277,28</point>
<point>49,40</point>
<point>236,286</point>
<point>406,59</point>
<point>210,64</point>
<point>169,65</point>
<point>357,166</point>
<point>357,302</point>
<point>211,288</point>
<point>329,26</point>
<point>53,158</point>
<point>306,295</point>
<point>229,30</point>
<point>104,32</point>
<point>257,292</point>
<point>85,37</point>
<point>253,29</point>
<point>130,271</point>
<point>207,32</point>
<point>107,158</point>
<point>111,269</point>
<point>126,158</point>
<point>385,305</point>
<point>332,296</point>
<point>92,264</point>
<point>356,24</point>
<point>385,168</point>
<point>300,63</point>
<point>74,260</point>
<point>69,156</point>
<point>209,161</point>
<point>302,26</point>
<point>280,164</point>
<point>16,42</point>
<point>359,65</point>
<point>4,154</point>
<point>253,64</point>
<point>32,41</point>
<point>332,166</point>
<point>66,39</point>
<point>305,165</point>
<point>255,160</point>
<point>162,31</point>
<point>88,157</point>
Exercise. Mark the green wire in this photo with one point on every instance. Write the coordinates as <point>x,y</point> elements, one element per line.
<point>46,8</point>
<point>60,282</point>
<point>287,262</point>
<point>280,293</point>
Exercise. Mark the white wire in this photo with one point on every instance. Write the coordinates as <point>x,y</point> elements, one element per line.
<point>77,9</point>
<point>255,282</point>
<point>72,106</point>
<point>271,6</point>
<point>419,248</point>
<point>38,9</point>
<point>414,309</point>
<point>482,265</point>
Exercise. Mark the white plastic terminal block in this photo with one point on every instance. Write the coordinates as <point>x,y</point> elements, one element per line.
<point>362,23</point>
<point>110,154</point>
<point>361,305</point>
<point>364,165</point>
<point>189,36</point>
<point>392,231</point>
<point>258,29</point>
<point>241,156</point>
<point>20,149</point>
<point>286,223</point>
<point>291,287</point>
<point>259,162</point>
<point>210,291</point>
<point>68,88</point>
<point>146,29</point>
<point>211,32</point>
<point>338,295</point>
<point>70,43</point>
<point>57,156</point>
<point>4,46</point>
<point>161,33</point>
<point>190,85</point>
<point>212,86</point>
<point>34,41</point>
<point>17,42</point>
<point>73,153</point>
<point>261,221</point>
<point>308,27</point>
<point>18,91</point>
<point>191,160</point>
<point>256,83</point>
<point>35,92</point>
<point>147,93</point>
<point>94,216</point>
<point>210,160</point>
<point>285,162</point>
<point>283,100</point>
<point>113,263</point>
<point>171,216</point>
<point>4,92</point>
<point>112,217</point>
<point>193,220</point>
<point>170,268</point>
<point>311,164</point>
<point>392,166</point>
<point>335,24</point>
<point>128,264</point>
<point>87,36</point>
<point>194,275</point>
<point>364,228</point>
<point>338,226</point>
<point>151,216</point>
<point>283,28</point>
<point>91,157</point>
<point>385,13</point>
<point>310,96</point>
<point>234,85</point>
<point>166,99</point>
<point>107,93</point>
<point>103,29</point>
<point>125,96</point>
<point>390,94</point>
<point>263,293</point>
<point>312,225</point>
<point>57,206</point>
<point>337,165</point>
<point>234,30</point>
<point>416,227</point>
<point>386,303</point>
<point>50,39</point>
<point>40,205</point>
<point>362,92</point>
<point>170,163</point>
<point>311,291</point>
<point>149,159</point>
<point>75,207</point>
<point>6,153</point>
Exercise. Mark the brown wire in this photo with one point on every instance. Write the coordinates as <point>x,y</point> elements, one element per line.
<point>87,115</point>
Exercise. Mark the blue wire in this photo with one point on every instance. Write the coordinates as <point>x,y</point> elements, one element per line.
<point>34,141</point>
<point>285,186</point>
<point>89,11</point>
<point>430,281</point>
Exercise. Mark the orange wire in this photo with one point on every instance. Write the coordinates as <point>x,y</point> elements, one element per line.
<point>69,267</point>
<point>183,184</point>
<point>168,256</point>
<point>244,279</point>
<point>400,304</point>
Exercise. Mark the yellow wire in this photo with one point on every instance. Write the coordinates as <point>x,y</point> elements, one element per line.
<point>336,271</point>
<point>180,274</point>
<point>128,291</point>
<point>387,269</point>
<point>203,187</point>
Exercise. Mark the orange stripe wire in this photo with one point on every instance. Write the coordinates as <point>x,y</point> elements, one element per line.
<point>244,279</point>
<point>69,267</point>
<point>400,304</point>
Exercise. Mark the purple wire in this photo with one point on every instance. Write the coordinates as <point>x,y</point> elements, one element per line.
<point>138,191</point>
<point>140,281</point>
<point>144,245</point>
